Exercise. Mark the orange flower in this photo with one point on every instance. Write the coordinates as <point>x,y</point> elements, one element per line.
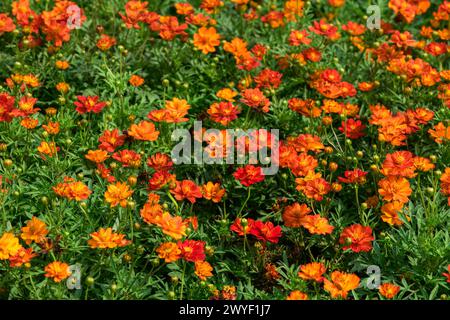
<point>223,112</point>
<point>297,295</point>
<point>48,149</point>
<point>105,42</point>
<point>106,238</point>
<point>169,251</point>
<point>227,94</point>
<point>6,24</point>
<point>206,39</point>
<point>357,238</point>
<point>399,163</point>
<point>145,130</point>
<point>313,186</point>
<point>213,191</point>
<point>423,164</point>
<point>136,81</point>
<point>390,213</point>
<point>78,191</point>
<point>174,227</point>
<point>388,290</point>
<point>175,110</point>
<point>97,156</point>
<point>9,246</point>
<point>110,140</point>
<point>341,283</point>
<point>35,230</point>
<point>117,194</point>
<point>315,224</point>
<point>203,269</point>
<point>294,215</point>
<point>312,271</point>
<point>62,87</point>
<point>29,123</point>
<point>57,270</point>
<point>22,257</point>
<point>186,189</point>
<point>151,212</point>
<point>160,161</point>
<point>62,64</point>
<point>51,127</point>
<point>255,98</point>
<point>394,188</point>
<point>440,133</point>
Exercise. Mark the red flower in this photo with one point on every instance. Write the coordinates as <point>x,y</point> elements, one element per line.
<point>355,176</point>
<point>268,79</point>
<point>447,274</point>
<point>352,129</point>
<point>192,250</point>
<point>266,231</point>
<point>110,140</point>
<point>249,175</point>
<point>240,229</point>
<point>357,238</point>
<point>89,104</point>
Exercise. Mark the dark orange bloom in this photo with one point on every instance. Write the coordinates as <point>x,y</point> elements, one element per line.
<point>144,130</point>
<point>206,39</point>
<point>106,42</point>
<point>315,224</point>
<point>399,163</point>
<point>325,29</point>
<point>107,239</point>
<point>160,179</point>
<point>357,238</point>
<point>128,158</point>
<point>136,81</point>
<point>254,98</point>
<point>352,129</point>
<point>294,215</point>
<point>312,271</point>
<point>169,251</point>
<point>390,213</point>
<point>297,295</point>
<point>110,140</point>
<point>173,226</point>
<point>118,194</point>
<point>6,23</point>
<point>393,188</point>
<point>223,112</point>
<point>306,108</point>
<point>388,290</point>
<point>213,191</point>
<point>160,161</point>
<point>186,189</point>
<point>97,156</point>
<point>313,186</point>
<point>34,231</point>
<point>57,270</point>
<point>23,256</point>
<point>341,284</point>
<point>203,270</point>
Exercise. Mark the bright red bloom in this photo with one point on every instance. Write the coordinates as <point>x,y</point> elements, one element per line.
<point>355,176</point>
<point>192,250</point>
<point>357,238</point>
<point>266,231</point>
<point>249,175</point>
<point>268,79</point>
<point>89,104</point>
<point>352,129</point>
